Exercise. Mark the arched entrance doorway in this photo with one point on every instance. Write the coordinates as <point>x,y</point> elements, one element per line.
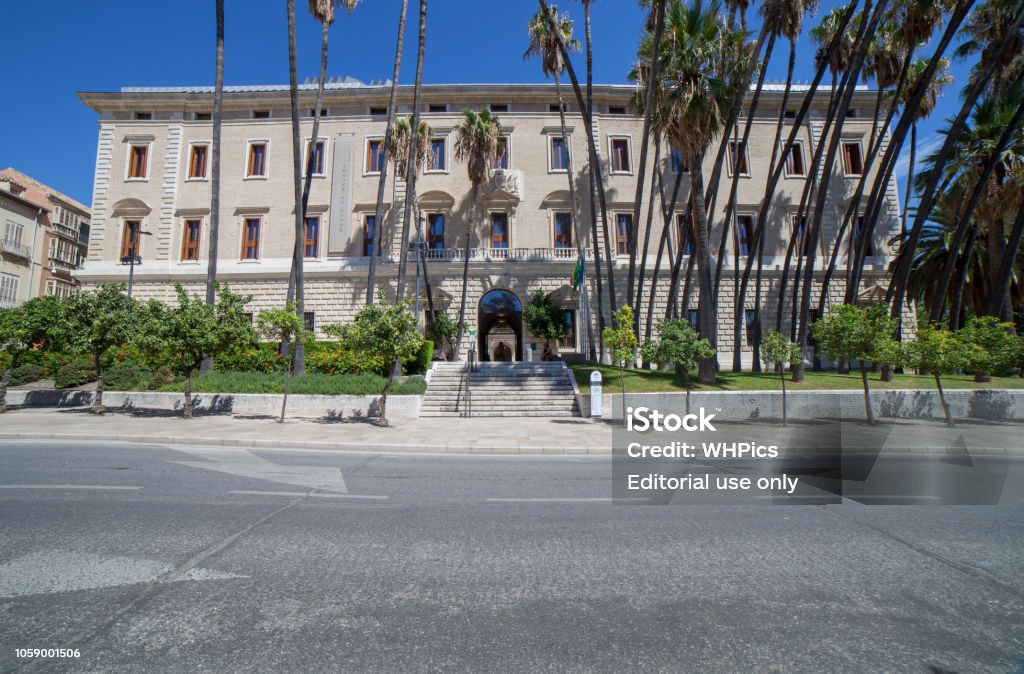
<point>500,324</point>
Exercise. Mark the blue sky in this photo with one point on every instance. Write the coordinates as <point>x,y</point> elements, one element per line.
<point>46,132</point>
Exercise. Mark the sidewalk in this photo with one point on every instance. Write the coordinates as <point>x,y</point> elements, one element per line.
<point>568,435</point>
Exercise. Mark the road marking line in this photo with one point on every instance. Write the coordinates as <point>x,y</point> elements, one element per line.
<point>566,500</point>
<point>299,493</point>
<point>101,487</point>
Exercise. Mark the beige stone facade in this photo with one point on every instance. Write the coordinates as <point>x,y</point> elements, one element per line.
<point>150,174</point>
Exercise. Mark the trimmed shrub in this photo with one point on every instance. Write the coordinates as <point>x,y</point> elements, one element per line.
<point>259,357</point>
<point>160,377</point>
<point>126,378</point>
<point>334,358</point>
<point>420,363</point>
<point>74,373</point>
<point>24,374</point>
<point>309,384</point>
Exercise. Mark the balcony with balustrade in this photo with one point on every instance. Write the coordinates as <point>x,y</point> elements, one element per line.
<point>16,248</point>
<point>503,254</point>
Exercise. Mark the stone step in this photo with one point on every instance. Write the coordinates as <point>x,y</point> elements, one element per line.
<point>500,414</point>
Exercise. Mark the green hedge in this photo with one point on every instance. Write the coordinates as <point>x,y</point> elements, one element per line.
<point>74,374</point>
<point>24,374</point>
<point>309,384</point>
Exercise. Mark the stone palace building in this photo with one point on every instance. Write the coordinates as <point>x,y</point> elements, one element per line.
<point>152,182</point>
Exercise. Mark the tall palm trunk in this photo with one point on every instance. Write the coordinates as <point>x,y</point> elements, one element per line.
<point>465,269</point>
<point>667,213</point>
<point>647,243</point>
<point>956,299</point>
<point>593,186</point>
<point>910,179</point>
<point>571,176</point>
<point>218,104</point>
<point>412,168</point>
<point>901,274</point>
<point>300,253</point>
<point>641,169</point>
<point>996,302</point>
<point>378,214</point>
<point>706,309</point>
<point>293,90</point>
<point>594,155</point>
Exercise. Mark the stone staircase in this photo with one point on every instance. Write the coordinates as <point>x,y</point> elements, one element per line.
<point>500,390</point>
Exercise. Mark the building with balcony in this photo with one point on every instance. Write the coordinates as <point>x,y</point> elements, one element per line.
<point>60,244</point>
<point>153,176</point>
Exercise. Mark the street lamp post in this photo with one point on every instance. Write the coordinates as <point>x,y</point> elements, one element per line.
<point>133,254</point>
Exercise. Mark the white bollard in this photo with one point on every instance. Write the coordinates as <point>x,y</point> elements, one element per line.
<point>595,393</point>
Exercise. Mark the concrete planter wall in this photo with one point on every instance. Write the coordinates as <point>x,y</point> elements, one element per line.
<point>399,406</point>
<point>994,404</point>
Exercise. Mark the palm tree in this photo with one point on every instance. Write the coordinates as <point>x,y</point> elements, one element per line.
<point>218,104</point>
<point>701,78</point>
<point>544,45</point>
<point>399,146</point>
<point>410,178</point>
<point>378,214</point>
<point>296,274</point>
<point>477,143</point>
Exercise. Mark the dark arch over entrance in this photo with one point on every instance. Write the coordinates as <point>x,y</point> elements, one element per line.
<point>500,309</point>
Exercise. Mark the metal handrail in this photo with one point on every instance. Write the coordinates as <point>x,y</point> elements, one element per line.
<point>467,378</point>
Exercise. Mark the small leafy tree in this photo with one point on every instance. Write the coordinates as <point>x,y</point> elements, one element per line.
<point>855,333</point>
<point>778,351</point>
<point>621,340</point>
<point>95,321</point>
<point>21,329</point>
<point>544,319</point>
<point>941,351</point>
<point>284,326</point>
<point>183,335</point>
<point>678,344</point>
<point>996,345</point>
<point>442,330</point>
<point>385,331</point>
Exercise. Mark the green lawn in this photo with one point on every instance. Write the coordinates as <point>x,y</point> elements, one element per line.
<point>313,384</point>
<point>649,381</point>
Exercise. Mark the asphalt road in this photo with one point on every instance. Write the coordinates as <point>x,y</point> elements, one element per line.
<point>187,559</point>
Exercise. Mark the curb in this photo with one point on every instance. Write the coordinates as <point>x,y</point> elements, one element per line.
<point>337,446</point>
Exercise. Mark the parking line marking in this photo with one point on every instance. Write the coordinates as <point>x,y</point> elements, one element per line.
<point>563,500</point>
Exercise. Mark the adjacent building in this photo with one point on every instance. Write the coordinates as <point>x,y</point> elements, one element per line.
<point>45,239</point>
<point>152,197</point>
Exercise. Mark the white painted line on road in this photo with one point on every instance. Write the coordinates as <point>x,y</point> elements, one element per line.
<point>98,487</point>
<point>301,493</point>
<point>566,500</point>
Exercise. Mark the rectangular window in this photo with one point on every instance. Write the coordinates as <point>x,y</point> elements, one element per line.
<point>563,230</point>
<point>616,110</point>
<point>748,324</point>
<point>790,114</point>
<point>559,154</point>
<point>8,290</point>
<point>13,232</point>
<point>197,161</point>
<point>315,157</point>
<point>378,111</point>
<point>795,160</point>
<point>685,234</point>
<point>435,231</point>
<point>437,161</point>
<point>502,160</point>
<point>623,228</point>
<point>858,232</point>
<point>437,107</point>
<point>852,164</point>
<point>190,239</point>
<point>620,155</point>
<point>261,114</point>
<point>369,233</point>
<point>744,233</point>
<point>138,162</point>
<point>677,162</point>
<point>799,232</point>
<point>130,239</point>
<point>569,342</point>
<point>309,320</point>
<point>738,159</point>
<point>323,112</point>
<point>143,116</point>
<point>203,116</point>
<point>249,317</point>
<point>499,107</point>
<point>374,156</point>
<point>499,231</point>
<point>251,239</point>
<point>693,318</point>
<point>257,165</point>
<point>311,238</point>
